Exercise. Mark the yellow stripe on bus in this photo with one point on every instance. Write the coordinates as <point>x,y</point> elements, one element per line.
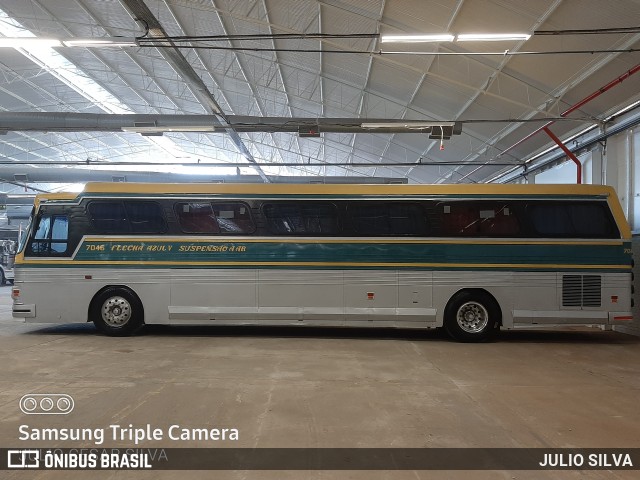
<point>232,239</point>
<point>345,189</point>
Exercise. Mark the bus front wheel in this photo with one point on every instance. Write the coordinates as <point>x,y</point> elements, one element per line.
<point>117,312</point>
<point>472,316</point>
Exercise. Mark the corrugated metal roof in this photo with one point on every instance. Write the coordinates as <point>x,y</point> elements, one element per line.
<point>321,82</point>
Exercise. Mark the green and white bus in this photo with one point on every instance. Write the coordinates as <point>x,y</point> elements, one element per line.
<point>469,258</point>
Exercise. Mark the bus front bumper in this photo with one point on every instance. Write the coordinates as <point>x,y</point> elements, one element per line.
<point>21,310</point>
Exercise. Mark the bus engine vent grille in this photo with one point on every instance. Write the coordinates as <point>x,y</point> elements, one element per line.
<point>572,291</point>
<point>591,290</point>
<point>581,290</point>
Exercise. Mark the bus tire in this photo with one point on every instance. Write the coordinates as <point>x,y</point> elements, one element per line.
<point>3,280</point>
<point>117,312</point>
<point>472,316</point>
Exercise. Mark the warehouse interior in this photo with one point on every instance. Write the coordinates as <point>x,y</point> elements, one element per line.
<point>412,92</point>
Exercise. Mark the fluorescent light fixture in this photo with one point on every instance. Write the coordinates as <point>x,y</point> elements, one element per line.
<point>28,42</point>
<point>445,37</point>
<point>406,124</point>
<point>34,42</point>
<point>161,129</point>
<point>491,37</point>
<point>101,42</point>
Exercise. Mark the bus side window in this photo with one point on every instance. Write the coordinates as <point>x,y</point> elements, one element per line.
<point>108,217</point>
<point>572,220</point>
<point>478,219</point>
<point>393,218</point>
<point>593,220</point>
<point>131,216</point>
<point>234,218</point>
<point>144,217</point>
<point>301,218</point>
<point>51,237</point>
<point>196,218</point>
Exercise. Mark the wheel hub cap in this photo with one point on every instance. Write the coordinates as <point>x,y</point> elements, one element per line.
<point>116,311</point>
<point>472,317</point>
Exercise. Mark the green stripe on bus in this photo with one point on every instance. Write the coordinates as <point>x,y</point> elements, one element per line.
<point>256,252</point>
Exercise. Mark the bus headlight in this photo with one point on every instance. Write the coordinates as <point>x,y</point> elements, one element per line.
<point>15,293</point>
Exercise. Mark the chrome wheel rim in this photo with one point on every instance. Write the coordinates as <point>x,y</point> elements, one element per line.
<point>472,317</point>
<point>116,311</point>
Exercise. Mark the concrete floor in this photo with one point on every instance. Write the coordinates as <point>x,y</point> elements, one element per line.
<point>284,387</point>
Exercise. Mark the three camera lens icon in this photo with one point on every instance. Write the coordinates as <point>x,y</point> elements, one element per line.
<point>46,404</point>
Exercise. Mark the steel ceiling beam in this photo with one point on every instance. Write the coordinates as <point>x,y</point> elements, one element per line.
<point>42,174</point>
<point>159,123</point>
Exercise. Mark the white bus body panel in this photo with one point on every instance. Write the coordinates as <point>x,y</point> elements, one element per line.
<point>403,298</point>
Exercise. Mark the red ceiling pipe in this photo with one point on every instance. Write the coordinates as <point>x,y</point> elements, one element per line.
<point>587,99</point>
<point>567,151</point>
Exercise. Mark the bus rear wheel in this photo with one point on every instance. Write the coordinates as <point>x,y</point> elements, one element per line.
<point>117,312</point>
<point>472,316</point>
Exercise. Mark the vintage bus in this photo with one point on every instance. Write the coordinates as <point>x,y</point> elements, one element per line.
<point>469,258</point>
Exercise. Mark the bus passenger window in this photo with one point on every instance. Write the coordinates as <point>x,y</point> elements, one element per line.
<point>234,218</point>
<point>592,220</point>
<point>479,219</point>
<point>196,218</point>
<point>144,217</point>
<point>572,220</point>
<point>108,217</point>
<point>117,217</point>
<point>302,219</point>
<point>393,218</point>
<point>51,237</point>
<point>551,220</point>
